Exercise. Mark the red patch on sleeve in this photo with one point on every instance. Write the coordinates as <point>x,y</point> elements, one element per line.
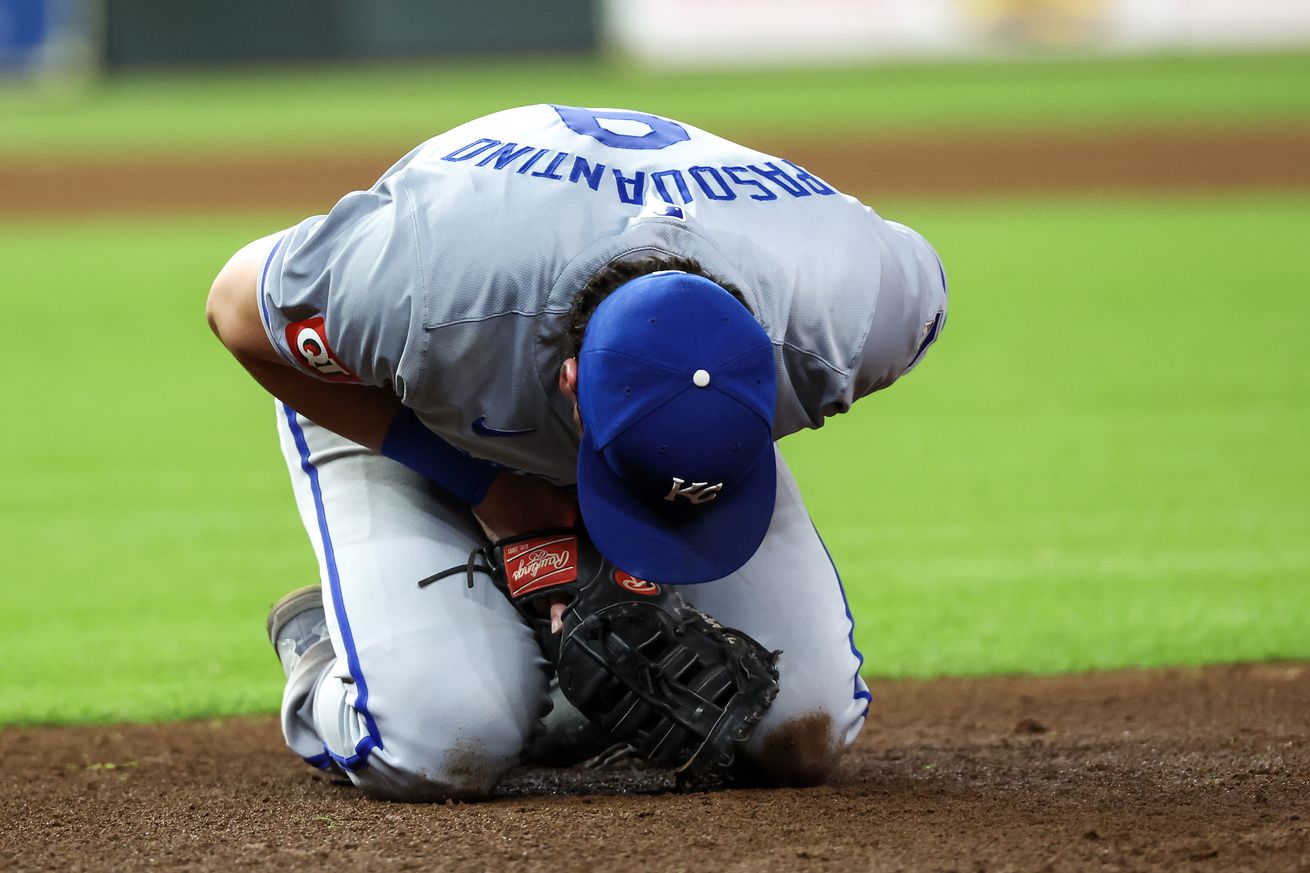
<point>540,563</point>
<point>308,342</point>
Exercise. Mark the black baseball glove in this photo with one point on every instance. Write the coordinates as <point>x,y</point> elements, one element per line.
<point>634,657</point>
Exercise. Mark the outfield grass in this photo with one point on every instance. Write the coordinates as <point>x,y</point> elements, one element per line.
<point>394,106</point>
<point>144,519</point>
<point>1103,463</point>
<point>1107,461</point>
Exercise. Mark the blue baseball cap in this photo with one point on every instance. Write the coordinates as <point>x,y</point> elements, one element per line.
<point>676,391</point>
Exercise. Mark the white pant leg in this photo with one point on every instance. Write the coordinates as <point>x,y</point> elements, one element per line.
<point>789,597</point>
<point>427,693</point>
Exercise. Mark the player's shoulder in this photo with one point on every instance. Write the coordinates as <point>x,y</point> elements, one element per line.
<point>568,115</point>
<point>581,129</point>
<point>505,123</point>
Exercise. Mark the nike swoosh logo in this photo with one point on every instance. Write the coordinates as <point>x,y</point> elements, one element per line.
<point>481,429</point>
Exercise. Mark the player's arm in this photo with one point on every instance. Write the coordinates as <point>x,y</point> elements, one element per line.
<point>505,504</point>
<point>910,314</point>
<point>361,413</point>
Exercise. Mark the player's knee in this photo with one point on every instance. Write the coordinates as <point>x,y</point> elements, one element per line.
<point>817,715</point>
<point>454,761</point>
<point>442,740</point>
<point>463,771</point>
<point>802,750</point>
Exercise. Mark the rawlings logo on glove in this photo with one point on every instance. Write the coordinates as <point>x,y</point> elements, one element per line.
<point>539,563</point>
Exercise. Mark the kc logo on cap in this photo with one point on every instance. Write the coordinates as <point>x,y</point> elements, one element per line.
<point>696,492</point>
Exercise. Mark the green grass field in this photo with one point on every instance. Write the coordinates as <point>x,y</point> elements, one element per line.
<point>1104,462</point>
<point>399,105</point>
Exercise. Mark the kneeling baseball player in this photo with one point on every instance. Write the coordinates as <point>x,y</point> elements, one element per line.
<point>528,388</point>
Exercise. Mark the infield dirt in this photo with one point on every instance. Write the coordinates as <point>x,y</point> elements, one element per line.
<point>1182,160</point>
<point>1198,769</point>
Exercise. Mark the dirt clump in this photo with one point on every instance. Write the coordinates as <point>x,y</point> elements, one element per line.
<point>800,752</point>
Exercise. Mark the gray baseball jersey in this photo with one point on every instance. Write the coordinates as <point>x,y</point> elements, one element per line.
<point>449,280</point>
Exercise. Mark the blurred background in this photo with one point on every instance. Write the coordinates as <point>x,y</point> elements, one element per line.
<point>49,36</point>
<point>1104,462</point>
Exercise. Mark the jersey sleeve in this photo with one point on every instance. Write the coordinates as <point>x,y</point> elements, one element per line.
<point>909,315</point>
<point>337,290</point>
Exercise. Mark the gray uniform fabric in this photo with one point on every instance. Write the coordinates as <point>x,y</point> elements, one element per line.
<point>449,280</point>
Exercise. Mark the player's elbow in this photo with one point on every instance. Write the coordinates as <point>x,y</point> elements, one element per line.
<point>216,306</point>
<point>232,307</point>
<point>223,311</point>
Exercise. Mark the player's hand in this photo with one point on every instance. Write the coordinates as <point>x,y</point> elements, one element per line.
<point>517,505</point>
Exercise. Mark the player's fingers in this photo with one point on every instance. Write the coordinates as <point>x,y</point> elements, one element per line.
<point>557,616</point>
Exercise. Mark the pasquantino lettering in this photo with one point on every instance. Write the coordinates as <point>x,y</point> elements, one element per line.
<point>762,183</point>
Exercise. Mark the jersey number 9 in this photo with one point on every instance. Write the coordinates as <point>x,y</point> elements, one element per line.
<point>660,132</point>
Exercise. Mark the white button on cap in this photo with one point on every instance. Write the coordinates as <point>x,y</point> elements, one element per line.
<point>700,378</point>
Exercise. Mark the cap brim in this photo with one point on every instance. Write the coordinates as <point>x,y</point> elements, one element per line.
<point>714,544</point>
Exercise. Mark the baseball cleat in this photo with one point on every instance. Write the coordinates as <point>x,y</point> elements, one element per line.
<point>296,622</point>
